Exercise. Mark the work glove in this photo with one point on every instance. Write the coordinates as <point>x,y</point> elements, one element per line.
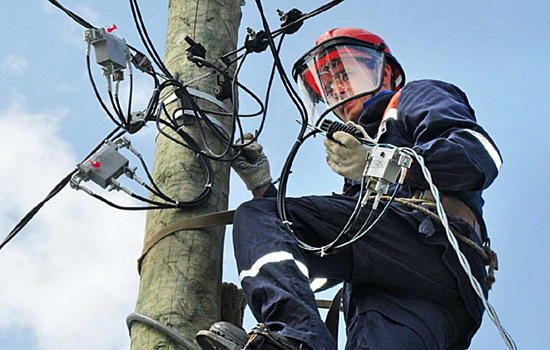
<point>346,155</point>
<point>252,165</point>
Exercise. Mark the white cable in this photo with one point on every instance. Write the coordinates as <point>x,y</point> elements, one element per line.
<point>363,195</point>
<point>461,258</point>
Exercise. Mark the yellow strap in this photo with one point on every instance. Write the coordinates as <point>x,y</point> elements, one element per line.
<point>201,221</point>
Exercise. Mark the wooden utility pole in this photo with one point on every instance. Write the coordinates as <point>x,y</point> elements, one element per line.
<point>181,275</point>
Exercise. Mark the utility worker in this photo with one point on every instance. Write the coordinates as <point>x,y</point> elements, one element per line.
<point>403,285</point>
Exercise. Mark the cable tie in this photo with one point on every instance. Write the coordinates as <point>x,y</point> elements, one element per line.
<point>208,185</point>
<point>176,204</point>
<point>288,223</point>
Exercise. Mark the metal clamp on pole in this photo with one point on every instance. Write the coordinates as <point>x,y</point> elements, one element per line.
<point>182,113</point>
<point>200,94</point>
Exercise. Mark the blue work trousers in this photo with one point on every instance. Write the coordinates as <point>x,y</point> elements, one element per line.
<point>403,286</point>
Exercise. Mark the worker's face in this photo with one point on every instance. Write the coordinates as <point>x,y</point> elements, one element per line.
<point>332,74</point>
<point>352,109</point>
<point>346,77</point>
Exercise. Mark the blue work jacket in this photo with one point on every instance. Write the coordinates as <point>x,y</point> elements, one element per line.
<point>436,120</point>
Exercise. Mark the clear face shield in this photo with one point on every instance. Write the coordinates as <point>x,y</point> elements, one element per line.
<point>335,73</point>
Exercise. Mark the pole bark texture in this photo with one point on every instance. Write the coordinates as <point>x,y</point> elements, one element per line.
<point>180,282</point>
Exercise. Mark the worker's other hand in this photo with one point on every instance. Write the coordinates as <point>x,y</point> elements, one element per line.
<point>346,155</point>
<point>252,165</point>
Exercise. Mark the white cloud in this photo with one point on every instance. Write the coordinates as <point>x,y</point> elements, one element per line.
<point>14,65</point>
<point>88,13</point>
<point>69,87</point>
<point>69,31</point>
<point>70,276</point>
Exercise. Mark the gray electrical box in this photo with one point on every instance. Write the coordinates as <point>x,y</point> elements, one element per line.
<point>110,52</point>
<point>104,165</point>
<point>384,164</point>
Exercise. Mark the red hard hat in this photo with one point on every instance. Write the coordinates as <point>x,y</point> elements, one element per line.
<point>366,36</point>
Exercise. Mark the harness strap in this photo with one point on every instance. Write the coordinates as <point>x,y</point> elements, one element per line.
<point>196,222</point>
<point>488,255</point>
<point>454,207</point>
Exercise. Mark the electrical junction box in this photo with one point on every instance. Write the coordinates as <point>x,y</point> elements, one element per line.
<point>110,52</point>
<point>104,165</point>
<point>384,164</point>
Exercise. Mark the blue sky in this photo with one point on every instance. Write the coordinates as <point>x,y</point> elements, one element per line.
<point>69,279</point>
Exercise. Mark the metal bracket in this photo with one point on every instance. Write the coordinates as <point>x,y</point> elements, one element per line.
<point>200,94</point>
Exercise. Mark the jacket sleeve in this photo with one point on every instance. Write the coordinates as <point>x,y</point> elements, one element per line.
<point>443,129</point>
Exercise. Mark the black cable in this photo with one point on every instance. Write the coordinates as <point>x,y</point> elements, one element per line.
<point>115,103</point>
<point>268,89</point>
<point>160,121</point>
<point>236,116</point>
<point>130,96</point>
<point>294,96</point>
<point>153,103</point>
<point>79,19</point>
<point>146,40</point>
<point>160,205</point>
<point>234,120</point>
<point>25,220</point>
<point>285,172</point>
<point>120,207</point>
<point>283,181</point>
<point>282,30</point>
<point>284,77</point>
<point>201,156</point>
<point>234,80</point>
<point>88,25</point>
<point>189,143</point>
<point>98,95</point>
<point>155,190</point>
<point>265,106</point>
<point>308,15</point>
<point>110,136</point>
<point>71,14</point>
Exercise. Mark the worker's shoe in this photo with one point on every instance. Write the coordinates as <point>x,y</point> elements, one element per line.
<point>226,336</point>
<point>262,339</point>
<point>222,336</point>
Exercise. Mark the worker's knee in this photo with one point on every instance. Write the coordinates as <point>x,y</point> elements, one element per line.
<point>254,210</point>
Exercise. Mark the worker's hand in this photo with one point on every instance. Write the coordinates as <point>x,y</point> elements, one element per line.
<point>252,165</point>
<point>346,155</point>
